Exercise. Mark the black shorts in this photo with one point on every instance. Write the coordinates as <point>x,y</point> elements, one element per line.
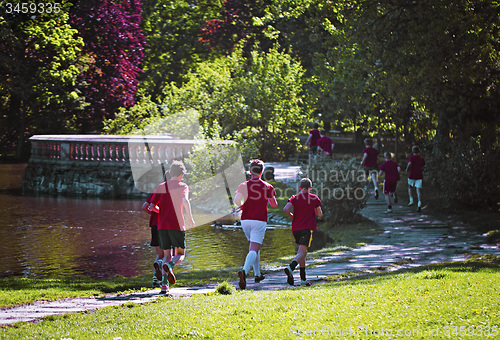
<point>172,239</point>
<point>369,171</point>
<point>313,149</point>
<point>303,237</point>
<point>155,241</point>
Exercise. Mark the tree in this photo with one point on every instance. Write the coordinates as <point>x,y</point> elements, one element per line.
<point>257,101</point>
<point>38,69</point>
<point>113,53</point>
<point>172,46</point>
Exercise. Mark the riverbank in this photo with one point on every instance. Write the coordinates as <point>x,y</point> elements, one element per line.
<point>409,240</point>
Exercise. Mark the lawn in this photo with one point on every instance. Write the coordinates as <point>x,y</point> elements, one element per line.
<point>458,300</point>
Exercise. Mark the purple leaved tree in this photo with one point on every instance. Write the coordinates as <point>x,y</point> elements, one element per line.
<point>112,56</point>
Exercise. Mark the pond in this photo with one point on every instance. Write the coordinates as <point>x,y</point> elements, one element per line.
<point>100,238</point>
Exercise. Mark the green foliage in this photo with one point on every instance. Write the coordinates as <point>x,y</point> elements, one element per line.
<point>466,173</point>
<point>257,103</point>
<point>340,186</point>
<point>225,288</point>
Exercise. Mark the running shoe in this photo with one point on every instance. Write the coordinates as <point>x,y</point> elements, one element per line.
<point>410,204</point>
<point>388,211</point>
<point>170,274</point>
<point>156,282</point>
<point>289,276</point>
<point>376,194</point>
<point>164,289</point>
<point>305,283</point>
<point>419,207</point>
<point>157,266</point>
<point>243,279</point>
<point>259,278</point>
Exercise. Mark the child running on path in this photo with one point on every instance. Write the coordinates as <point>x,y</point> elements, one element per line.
<point>325,144</point>
<point>253,196</point>
<point>306,207</point>
<point>369,161</point>
<point>170,200</point>
<point>153,224</point>
<point>416,166</point>
<point>391,170</point>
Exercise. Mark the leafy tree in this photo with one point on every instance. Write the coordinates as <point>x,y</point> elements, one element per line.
<point>172,45</point>
<point>259,103</point>
<point>38,69</point>
<point>440,54</point>
<point>113,52</point>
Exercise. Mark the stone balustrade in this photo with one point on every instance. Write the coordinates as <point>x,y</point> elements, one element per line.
<point>99,165</point>
<point>108,148</point>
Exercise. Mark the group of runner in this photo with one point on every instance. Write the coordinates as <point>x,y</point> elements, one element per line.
<point>166,206</point>
<point>391,170</point>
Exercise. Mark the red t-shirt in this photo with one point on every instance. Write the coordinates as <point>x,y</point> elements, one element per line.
<point>416,167</point>
<point>325,143</point>
<point>315,136</point>
<point>256,194</point>
<point>153,218</point>
<point>390,168</point>
<point>168,197</point>
<point>304,216</point>
<point>371,160</point>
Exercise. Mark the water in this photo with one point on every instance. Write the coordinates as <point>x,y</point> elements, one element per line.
<point>54,236</point>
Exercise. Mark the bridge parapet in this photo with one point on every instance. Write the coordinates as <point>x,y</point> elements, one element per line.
<point>98,165</point>
<point>108,148</point>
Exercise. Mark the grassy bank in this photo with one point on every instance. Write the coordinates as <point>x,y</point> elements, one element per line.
<point>459,300</point>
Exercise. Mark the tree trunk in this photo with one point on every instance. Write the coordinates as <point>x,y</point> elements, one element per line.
<point>442,139</point>
<point>16,115</point>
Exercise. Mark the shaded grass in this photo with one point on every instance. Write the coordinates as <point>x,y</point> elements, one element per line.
<point>434,298</point>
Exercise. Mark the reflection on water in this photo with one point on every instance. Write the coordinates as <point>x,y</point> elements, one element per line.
<point>44,236</point>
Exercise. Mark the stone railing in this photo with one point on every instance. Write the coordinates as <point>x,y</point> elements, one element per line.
<point>108,148</point>
<point>102,165</point>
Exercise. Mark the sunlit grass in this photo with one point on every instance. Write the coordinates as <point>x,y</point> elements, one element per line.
<point>446,298</point>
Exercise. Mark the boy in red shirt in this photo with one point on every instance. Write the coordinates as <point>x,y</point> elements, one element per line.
<point>153,224</point>
<point>369,161</point>
<point>306,207</point>
<point>170,200</point>
<point>325,144</point>
<point>312,140</point>
<point>416,166</point>
<point>391,170</point>
<point>252,196</point>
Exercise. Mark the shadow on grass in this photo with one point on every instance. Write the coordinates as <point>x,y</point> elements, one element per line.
<point>475,263</point>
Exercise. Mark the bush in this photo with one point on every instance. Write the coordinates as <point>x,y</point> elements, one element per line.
<point>341,187</point>
<point>468,173</point>
<point>225,288</point>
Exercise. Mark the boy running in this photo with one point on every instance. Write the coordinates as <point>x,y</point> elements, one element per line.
<point>252,196</point>
<point>416,166</point>
<point>153,224</point>
<point>306,207</point>
<point>170,200</point>
<point>391,170</point>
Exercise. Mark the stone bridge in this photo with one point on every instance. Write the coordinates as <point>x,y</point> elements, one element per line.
<point>100,165</point>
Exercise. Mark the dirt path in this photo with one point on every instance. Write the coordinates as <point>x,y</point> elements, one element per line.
<point>409,239</point>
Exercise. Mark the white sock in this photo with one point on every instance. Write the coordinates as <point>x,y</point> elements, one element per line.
<point>256,265</point>
<point>249,261</point>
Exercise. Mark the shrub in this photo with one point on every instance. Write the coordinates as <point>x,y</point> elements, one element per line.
<point>341,187</point>
<point>225,288</point>
<point>467,173</point>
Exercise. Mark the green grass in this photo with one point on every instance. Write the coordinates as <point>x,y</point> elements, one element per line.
<point>19,290</point>
<point>446,299</point>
